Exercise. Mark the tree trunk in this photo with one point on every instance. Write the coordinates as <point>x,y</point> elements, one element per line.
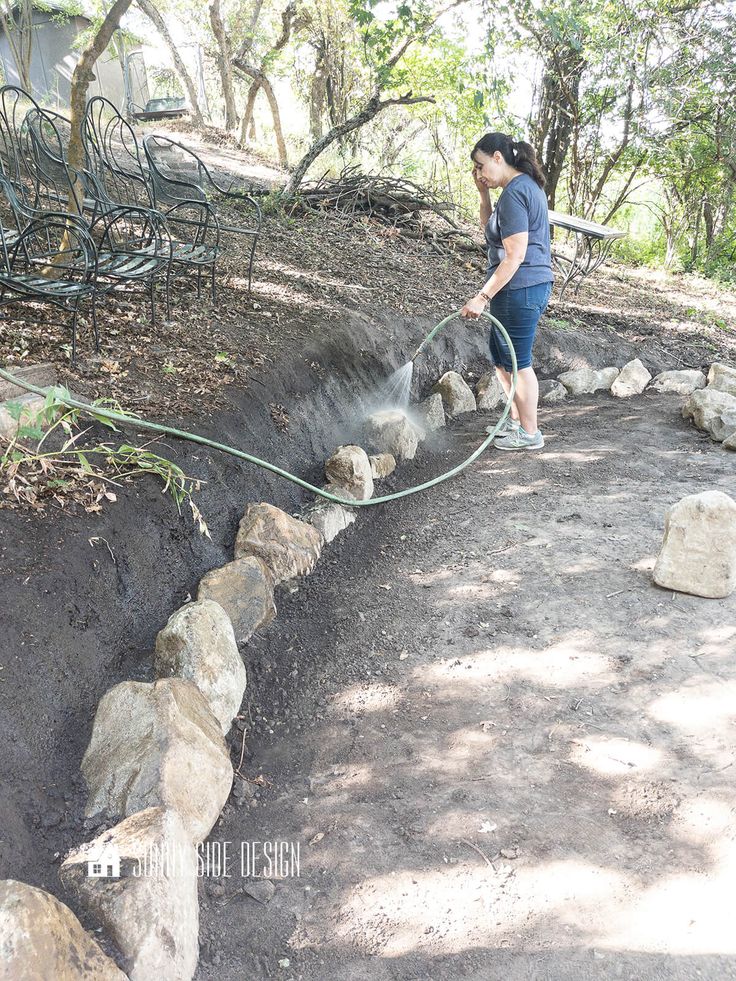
<point>248,129</point>
<point>19,33</point>
<point>557,115</point>
<point>369,110</point>
<point>223,64</point>
<point>81,77</point>
<point>154,15</point>
<point>262,82</point>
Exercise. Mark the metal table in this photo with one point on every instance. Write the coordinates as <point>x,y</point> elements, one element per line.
<point>593,244</point>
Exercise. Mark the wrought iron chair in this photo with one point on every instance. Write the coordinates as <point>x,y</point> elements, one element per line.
<point>119,176</point>
<point>52,260</point>
<point>133,243</point>
<point>178,174</point>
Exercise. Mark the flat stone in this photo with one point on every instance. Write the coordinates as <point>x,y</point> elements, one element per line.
<point>26,410</point>
<point>288,547</point>
<point>429,415</point>
<point>390,431</point>
<point>550,390</point>
<point>698,553</point>
<point>149,906</point>
<point>488,392</point>
<point>585,381</point>
<point>712,411</point>
<point>42,940</point>
<point>457,396</point>
<point>681,382</point>
<point>722,377</point>
<point>244,589</point>
<point>632,380</point>
<point>262,890</point>
<point>41,375</point>
<point>158,745</point>
<point>350,467</point>
<point>383,464</point>
<point>198,643</point>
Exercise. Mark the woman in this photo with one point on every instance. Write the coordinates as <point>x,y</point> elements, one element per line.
<point>519,277</point>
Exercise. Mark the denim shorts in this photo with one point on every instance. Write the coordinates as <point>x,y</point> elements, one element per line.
<point>519,311</point>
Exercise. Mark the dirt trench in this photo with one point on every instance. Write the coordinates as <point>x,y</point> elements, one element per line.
<point>84,596</point>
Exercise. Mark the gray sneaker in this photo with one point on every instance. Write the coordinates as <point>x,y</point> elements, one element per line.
<point>519,439</point>
<point>509,426</point>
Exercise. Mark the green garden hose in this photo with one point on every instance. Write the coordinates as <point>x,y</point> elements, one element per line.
<point>138,423</point>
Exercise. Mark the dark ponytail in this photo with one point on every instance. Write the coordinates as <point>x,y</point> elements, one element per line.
<point>516,153</point>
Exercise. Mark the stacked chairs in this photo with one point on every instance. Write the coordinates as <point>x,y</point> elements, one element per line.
<point>116,163</point>
<point>129,216</point>
<point>177,174</point>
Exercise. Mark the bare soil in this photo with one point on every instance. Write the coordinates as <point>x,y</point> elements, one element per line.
<point>481,674</point>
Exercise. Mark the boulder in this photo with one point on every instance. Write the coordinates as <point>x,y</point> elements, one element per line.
<point>730,442</point>
<point>585,381</point>
<point>198,643</point>
<point>489,392</point>
<point>550,390</point>
<point>42,940</point>
<point>632,380</point>
<point>158,744</point>
<point>698,553</point>
<point>722,378</point>
<point>330,518</point>
<point>457,396</point>
<point>430,414</point>
<point>26,410</point>
<point>712,411</point>
<point>149,905</point>
<point>391,432</point>
<point>244,589</point>
<point>288,547</point>
<point>42,375</point>
<point>383,464</point>
<point>683,382</point>
<point>350,467</point>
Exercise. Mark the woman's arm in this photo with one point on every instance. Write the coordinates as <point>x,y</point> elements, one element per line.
<point>514,248</point>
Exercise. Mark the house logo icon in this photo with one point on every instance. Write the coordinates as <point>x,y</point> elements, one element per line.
<point>105,863</point>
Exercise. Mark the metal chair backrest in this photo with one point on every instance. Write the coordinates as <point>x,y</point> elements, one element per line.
<point>114,157</point>
<point>176,172</point>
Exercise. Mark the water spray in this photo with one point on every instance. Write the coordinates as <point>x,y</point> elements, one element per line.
<point>139,423</point>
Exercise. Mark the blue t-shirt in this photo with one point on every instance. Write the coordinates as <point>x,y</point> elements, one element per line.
<point>522,207</point>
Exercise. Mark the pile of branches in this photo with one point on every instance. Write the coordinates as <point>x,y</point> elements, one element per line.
<point>406,208</point>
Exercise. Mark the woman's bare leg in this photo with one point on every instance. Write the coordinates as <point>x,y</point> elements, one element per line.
<point>526,397</point>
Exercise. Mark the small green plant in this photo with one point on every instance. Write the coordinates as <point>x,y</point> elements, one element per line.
<point>222,357</point>
<point>86,474</point>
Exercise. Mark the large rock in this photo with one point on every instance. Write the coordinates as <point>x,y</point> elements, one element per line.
<point>289,547</point>
<point>430,414</point>
<point>682,382</point>
<point>350,467</point>
<point>42,940</point>
<point>489,391</point>
<point>149,905</point>
<point>712,411</point>
<point>41,375</point>
<point>730,442</point>
<point>457,395</point>
<point>158,744</point>
<point>585,381</point>
<point>550,390</point>
<point>244,589</point>
<point>330,518</point>
<point>698,553</point>
<point>391,432</point>
<point>632,380</point>
<point>198,643</point>
<point>383,464</point>
<point>722,378</point>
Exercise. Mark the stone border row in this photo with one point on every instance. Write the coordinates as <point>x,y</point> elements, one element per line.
<point>157,761</point>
